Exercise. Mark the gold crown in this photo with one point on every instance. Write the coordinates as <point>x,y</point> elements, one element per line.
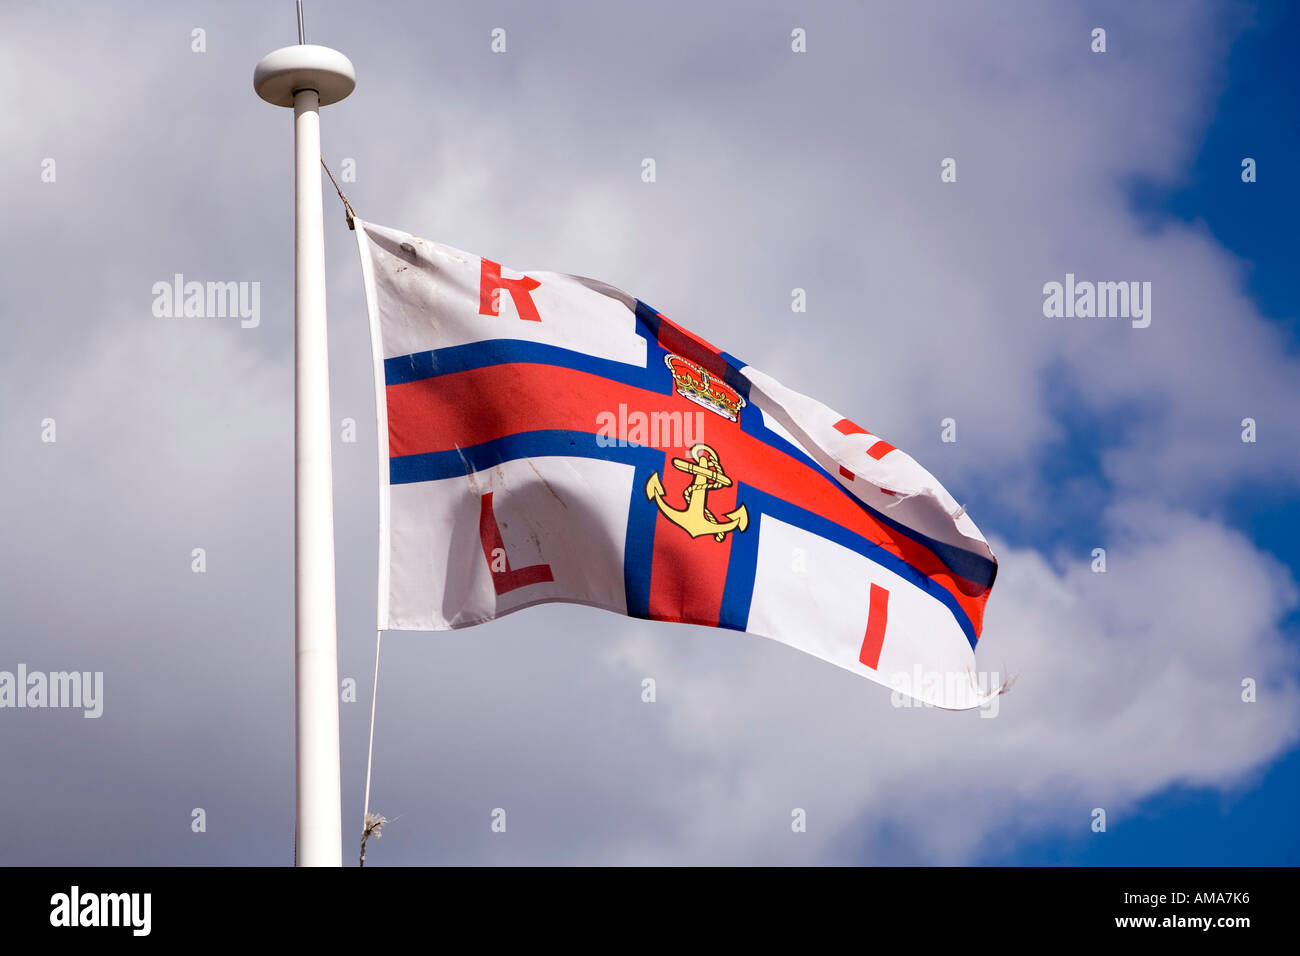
<point>697,385</point>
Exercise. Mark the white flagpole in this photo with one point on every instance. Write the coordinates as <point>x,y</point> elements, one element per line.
<point>306,77</point>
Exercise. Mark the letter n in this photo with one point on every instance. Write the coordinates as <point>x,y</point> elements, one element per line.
<point>490,284</point>
<point>506,580</point>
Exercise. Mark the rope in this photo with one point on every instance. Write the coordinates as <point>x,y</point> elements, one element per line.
<point>369,826</point>
<point>347,206</point>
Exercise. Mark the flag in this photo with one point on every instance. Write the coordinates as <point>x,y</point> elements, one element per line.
<point>546,437</point>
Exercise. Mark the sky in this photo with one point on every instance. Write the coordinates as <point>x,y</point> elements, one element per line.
<point>775,170</point>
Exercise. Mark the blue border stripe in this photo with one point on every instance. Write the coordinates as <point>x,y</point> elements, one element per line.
<point>733,376</point>
<point>639,544</point>
<point>647,319</point>
<point>403,369</point>
<point>433,466</point>
<point>742,565</point>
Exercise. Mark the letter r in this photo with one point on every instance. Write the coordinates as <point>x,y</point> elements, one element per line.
<point>489,302</point>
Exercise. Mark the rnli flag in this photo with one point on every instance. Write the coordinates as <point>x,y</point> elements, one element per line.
<point>550,438</point>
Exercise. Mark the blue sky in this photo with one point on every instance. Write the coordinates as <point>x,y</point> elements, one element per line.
<point>1255,221</point>
<point>1256,117</point>
<point>1253,824</point>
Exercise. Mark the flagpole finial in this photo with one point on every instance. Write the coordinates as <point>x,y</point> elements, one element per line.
<point>302,33</point>
<point>306,66</point>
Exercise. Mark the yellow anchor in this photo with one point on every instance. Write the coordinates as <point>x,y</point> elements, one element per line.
<point>696,519</point>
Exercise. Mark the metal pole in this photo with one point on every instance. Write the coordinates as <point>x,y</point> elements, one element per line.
<point>319,836</point>
<point>307,77</point>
